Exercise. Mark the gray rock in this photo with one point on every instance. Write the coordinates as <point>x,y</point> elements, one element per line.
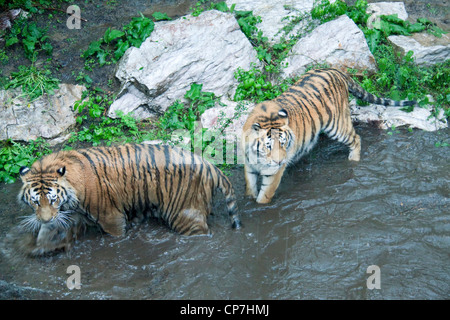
<point>386,117</point>
<point>339,43</point>
<point>385,8</point>
<point>428,49</point>
<point>48,116</point>
<point>228,120</point>
<point>273,13</point>
<point>206,49</point>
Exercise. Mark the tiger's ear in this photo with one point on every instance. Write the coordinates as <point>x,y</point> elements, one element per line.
<point>256,126</point>
<point>283,113</point>
<point>23,170</point>
<point>61,171</point>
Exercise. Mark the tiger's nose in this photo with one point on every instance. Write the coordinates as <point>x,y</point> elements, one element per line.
<point>46,219</point>
<point>45,215</point>
<point>276,162</point>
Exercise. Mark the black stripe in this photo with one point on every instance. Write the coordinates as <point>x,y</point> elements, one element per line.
<point>174,195</point>
<point>137,165</point>
<point>147,175</point>
<point>157,185</point>
<point>132,179</point>
<point>316,89</point>
<point>184,197</point>
<point>103,159</point>
<point>179,194</point>
<point>313,124</point>
<point>123,173</point>
<point>304,79</point>
<point>300,118</point>
<point>138,155</point>
<point>99,194</point>
<point>320,76</point>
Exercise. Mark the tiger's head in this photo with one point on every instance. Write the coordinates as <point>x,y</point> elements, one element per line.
<point>268,137</point>
<point>47,192</point>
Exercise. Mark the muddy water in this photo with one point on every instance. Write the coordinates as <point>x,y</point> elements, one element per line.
<point>330,221</point>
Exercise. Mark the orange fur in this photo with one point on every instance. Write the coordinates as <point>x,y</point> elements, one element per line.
<point>278,132</point>
<point>109,186</point>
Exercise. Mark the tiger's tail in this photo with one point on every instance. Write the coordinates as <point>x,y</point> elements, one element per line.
<point>358,91</point>
<point>230,198</point>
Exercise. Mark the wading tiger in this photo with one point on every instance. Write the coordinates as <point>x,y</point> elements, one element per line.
<point>278,132</point>
<point>110,186</point>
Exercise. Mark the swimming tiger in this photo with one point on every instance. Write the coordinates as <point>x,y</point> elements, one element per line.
<point>110,186</point>
<point>278,132</point>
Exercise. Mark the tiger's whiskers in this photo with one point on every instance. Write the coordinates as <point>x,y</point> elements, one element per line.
<point>30,223</point>
<point>62,220</point>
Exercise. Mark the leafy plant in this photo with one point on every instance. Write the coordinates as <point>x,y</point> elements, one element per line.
<point>30,6</point>
<point>3,57</point>
<point>326,11</point>
<point>392,25</point>
<point>112,46</point>
<point>179,116</point>
<point>105,131</point>
<point>255,86</point>
<point>159,16</point>
<point>83,78</point>
<point>247,22</point>
<point>203,5</point>
<point>14,155</point>
<point>32,38</point>
<point>97,129</point>
<point>33,81</point>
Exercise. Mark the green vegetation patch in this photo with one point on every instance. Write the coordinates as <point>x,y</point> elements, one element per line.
<point>112,46</point>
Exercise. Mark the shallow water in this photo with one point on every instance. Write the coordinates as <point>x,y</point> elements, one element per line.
<point>330,220</point>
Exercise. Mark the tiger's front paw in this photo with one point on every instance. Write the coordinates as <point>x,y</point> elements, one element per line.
<point>251,193</point>
<point>263,199</point>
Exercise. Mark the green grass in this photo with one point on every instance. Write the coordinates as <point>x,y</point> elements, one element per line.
<point>33,81</point>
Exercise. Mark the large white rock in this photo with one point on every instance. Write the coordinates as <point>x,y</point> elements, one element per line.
<point>378,9</point>
<point>273,13</point>
<point>428,49</point>
<point>206,50</point>
<point>339,43</point>
<point>386,117</point>
<point>48,116</point>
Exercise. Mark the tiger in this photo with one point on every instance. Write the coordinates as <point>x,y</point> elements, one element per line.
<point>279,132</point>
<point>110,187</point>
